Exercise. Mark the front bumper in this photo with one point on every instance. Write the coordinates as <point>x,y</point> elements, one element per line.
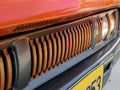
<point>107,56</point>
<point>111,61</point>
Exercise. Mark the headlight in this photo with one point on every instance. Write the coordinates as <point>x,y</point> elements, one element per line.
<point>104,27</point>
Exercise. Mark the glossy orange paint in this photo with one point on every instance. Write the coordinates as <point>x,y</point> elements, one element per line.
<point>17,12</point>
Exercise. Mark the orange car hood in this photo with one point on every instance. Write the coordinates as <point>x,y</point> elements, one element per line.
<point>16,12</point>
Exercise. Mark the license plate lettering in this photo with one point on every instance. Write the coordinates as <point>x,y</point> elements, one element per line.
<point>95,85</point>
<point>92,81</point>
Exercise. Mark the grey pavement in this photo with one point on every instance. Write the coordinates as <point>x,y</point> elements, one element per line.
<point>113,82</point>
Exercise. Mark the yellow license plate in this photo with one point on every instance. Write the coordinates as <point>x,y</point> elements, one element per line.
<point>93,81</point>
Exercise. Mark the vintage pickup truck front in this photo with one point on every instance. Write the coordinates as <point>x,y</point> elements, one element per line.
<point>58,44</point>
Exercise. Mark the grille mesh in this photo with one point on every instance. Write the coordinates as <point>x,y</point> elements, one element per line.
<point>5,70</point>
<point>51,50</point>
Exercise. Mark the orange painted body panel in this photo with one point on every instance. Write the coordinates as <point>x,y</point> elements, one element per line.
<point>15,12</point>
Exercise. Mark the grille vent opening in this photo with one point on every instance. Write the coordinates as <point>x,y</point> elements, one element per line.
<point>50,51</point>
<point>35,25</point>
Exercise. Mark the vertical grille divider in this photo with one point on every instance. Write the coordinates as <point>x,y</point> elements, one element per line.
<point>80,41</point>
<point>63,46</point>
<point>45,54</point>
<point>66,44</point>
<point>49,43</point>
<point>73,38</point>
<point>39,56</point>
<point>58,47</point>
<point>54,47</point>
<point>82,35</point>
<point>6,70</point>
<point>87,34</point>
<point>90,33</point>
<point>2,74</point>
<point>34,59</point>
<point>70,42</point>
<point>77,44</point>
<point>8,67</point>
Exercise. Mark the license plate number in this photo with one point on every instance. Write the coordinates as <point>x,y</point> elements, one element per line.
<point>93,81</point>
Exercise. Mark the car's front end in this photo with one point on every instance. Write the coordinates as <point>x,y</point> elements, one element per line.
<point>71,46</point>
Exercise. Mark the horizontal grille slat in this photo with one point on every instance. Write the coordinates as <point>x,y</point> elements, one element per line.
<point>53,49</point>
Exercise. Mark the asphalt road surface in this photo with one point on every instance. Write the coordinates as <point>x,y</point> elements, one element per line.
<point>113,82</point>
